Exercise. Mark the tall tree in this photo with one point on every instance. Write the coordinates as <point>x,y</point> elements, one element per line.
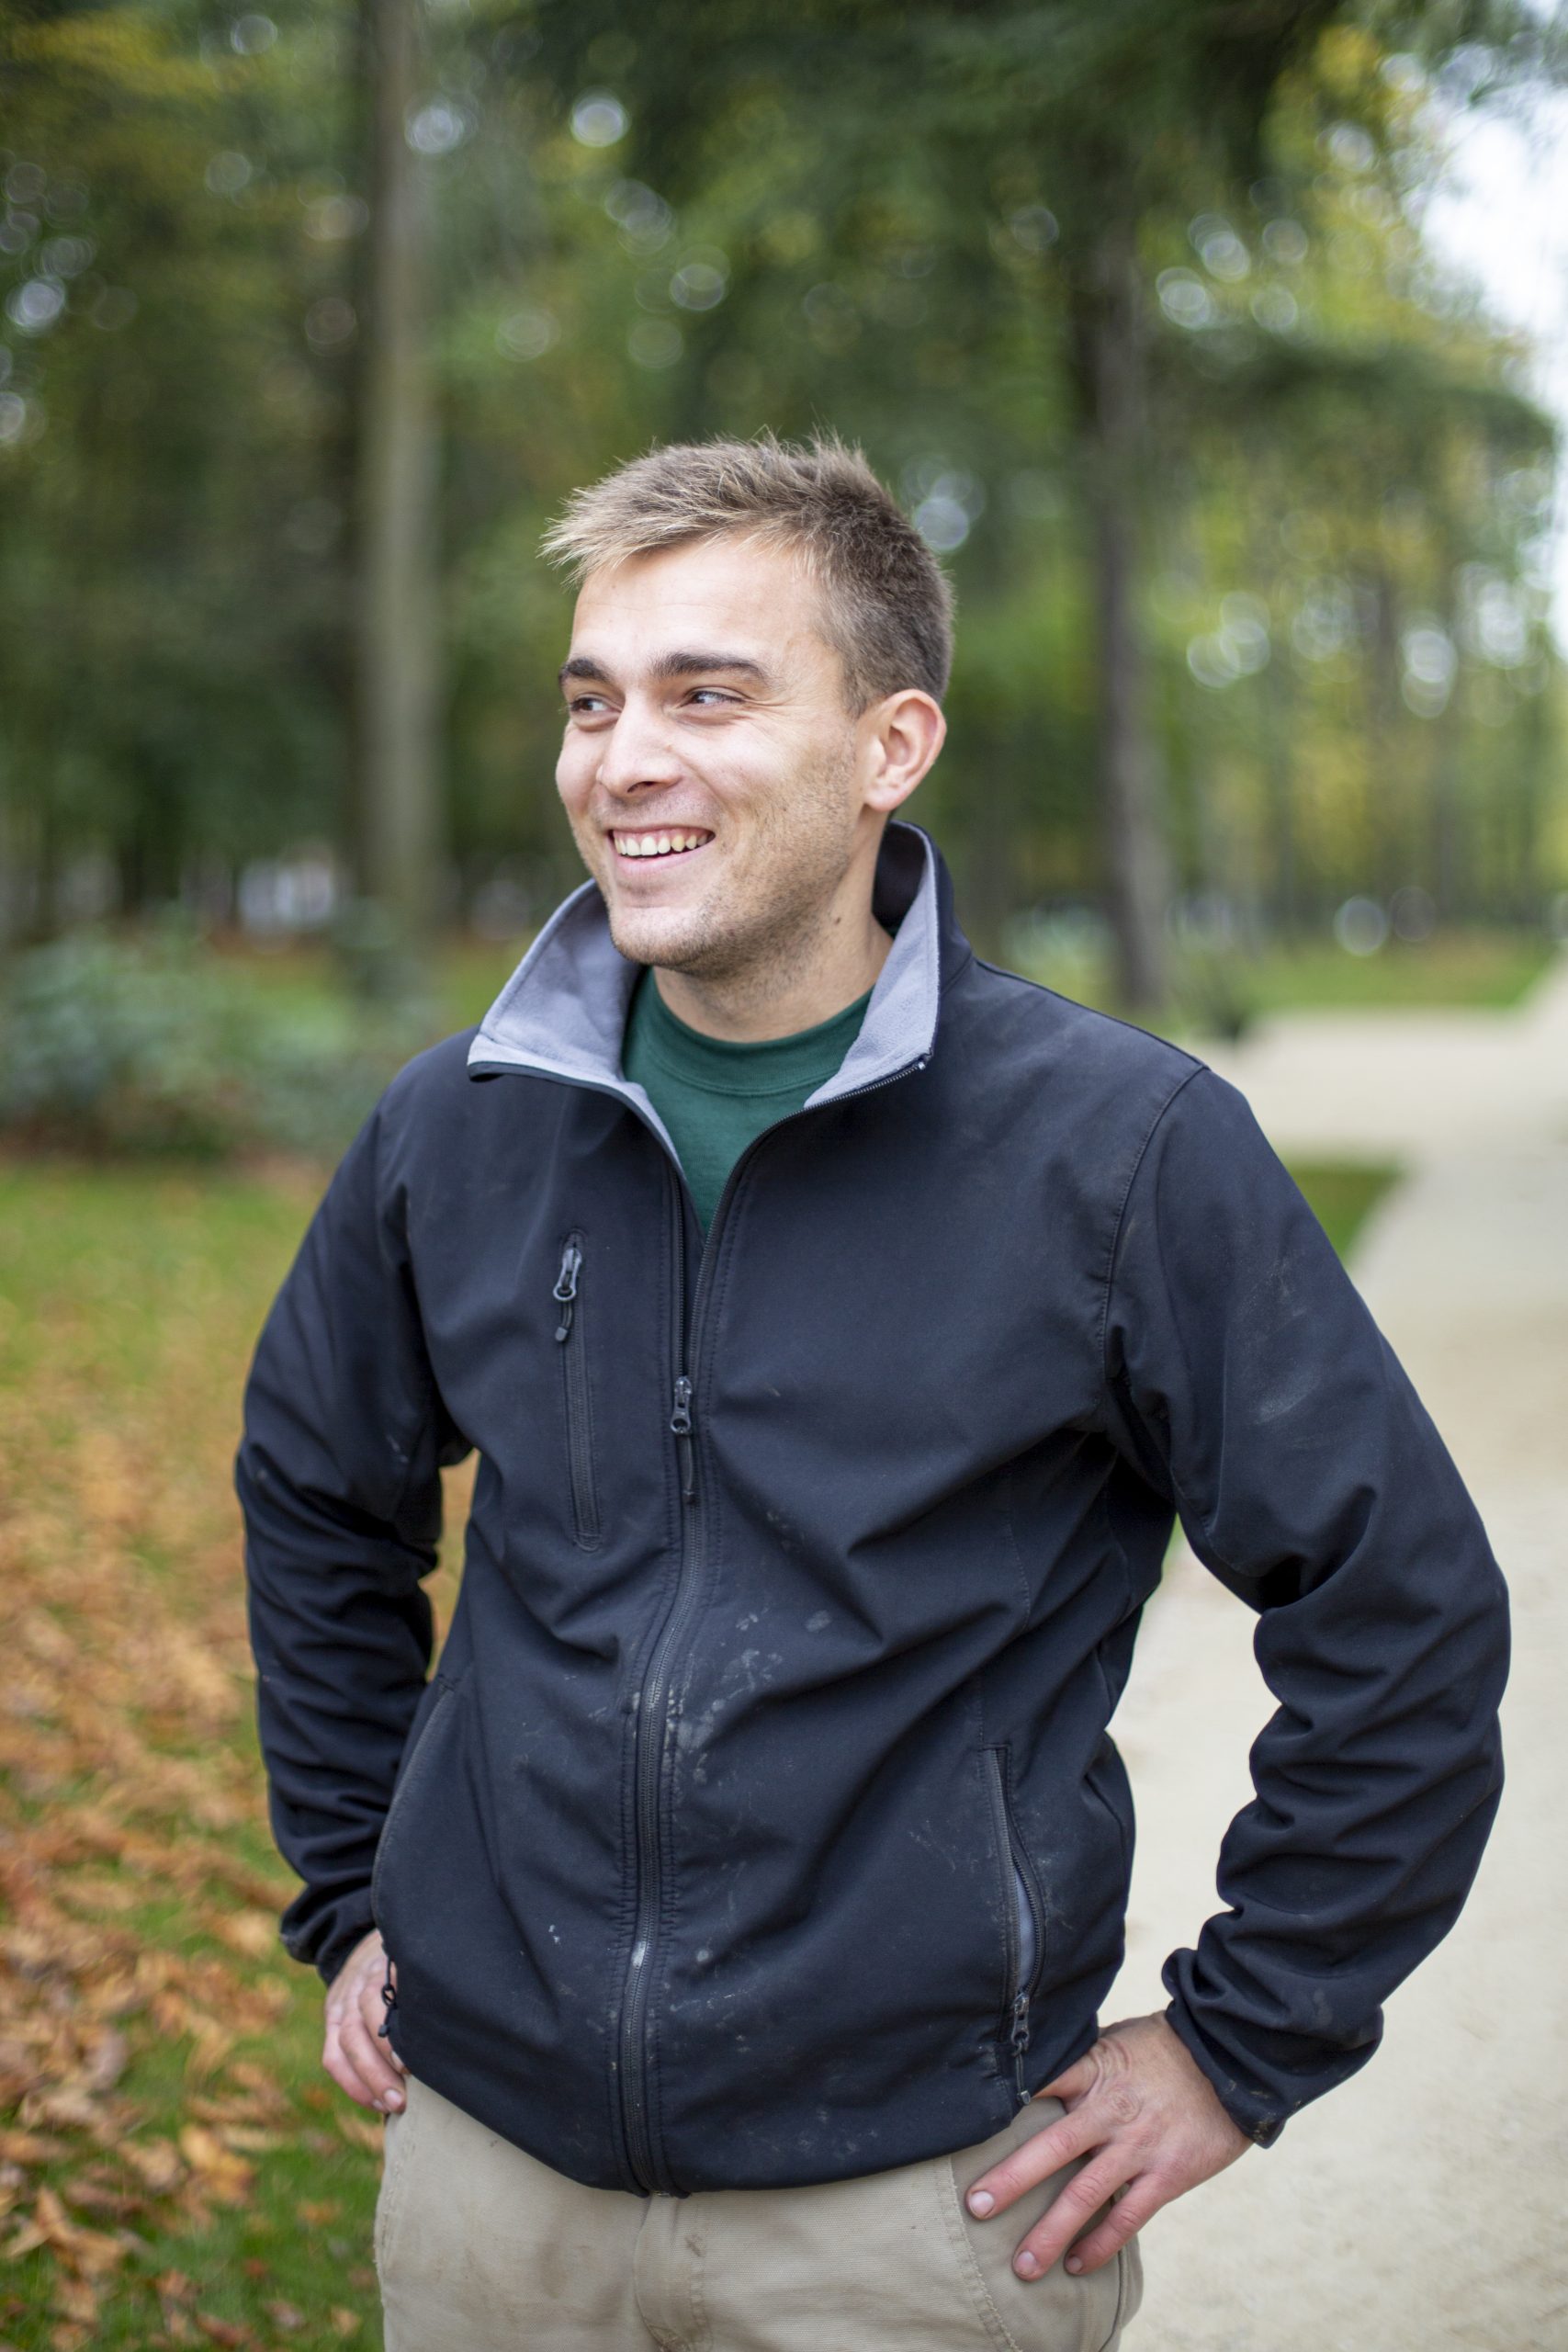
<point>397,782</point>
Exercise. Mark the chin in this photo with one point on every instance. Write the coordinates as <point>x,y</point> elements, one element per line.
<point>673,936</point>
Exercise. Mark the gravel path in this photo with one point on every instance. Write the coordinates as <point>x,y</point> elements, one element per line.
<point>1423,2207</point>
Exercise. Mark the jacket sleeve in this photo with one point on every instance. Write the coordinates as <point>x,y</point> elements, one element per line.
<point>338,1476</point>
<point>1250,1385</point>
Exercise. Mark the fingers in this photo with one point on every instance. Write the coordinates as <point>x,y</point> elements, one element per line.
<point>359,2060</point>
<point>1039,2155</point>
<point>1069,2213</point>
<point>366,2056</point>
<point>1138,2204</point>
<point>1151,2126</point>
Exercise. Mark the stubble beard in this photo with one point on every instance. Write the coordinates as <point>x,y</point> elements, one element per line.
<point>747,941</point>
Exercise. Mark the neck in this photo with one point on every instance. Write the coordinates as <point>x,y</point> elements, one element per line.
<point>793,985</point>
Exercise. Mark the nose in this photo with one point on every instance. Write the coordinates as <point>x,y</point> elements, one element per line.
<point>637,751</point>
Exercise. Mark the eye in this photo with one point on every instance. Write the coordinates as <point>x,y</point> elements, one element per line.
<point>713,694</point>
<point>584,706</point>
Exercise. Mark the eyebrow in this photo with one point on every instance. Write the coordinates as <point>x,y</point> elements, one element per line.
<point>679,664</point>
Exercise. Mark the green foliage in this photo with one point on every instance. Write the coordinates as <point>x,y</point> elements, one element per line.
<point>896,215</point>
<point>159,1046</point>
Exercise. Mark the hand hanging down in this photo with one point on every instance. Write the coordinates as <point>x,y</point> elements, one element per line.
<point>1148,2119</point>
<point>357,2056</point>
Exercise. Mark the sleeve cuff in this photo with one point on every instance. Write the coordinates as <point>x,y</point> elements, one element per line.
<point>326,1940</point>
<point>1248,2108</point>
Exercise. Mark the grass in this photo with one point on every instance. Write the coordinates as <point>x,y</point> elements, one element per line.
<point>1487,969</point>
<point>1485,966</point>
<point>1342,1195</point>
<point>1458,967</point>
<point>174,2168</point>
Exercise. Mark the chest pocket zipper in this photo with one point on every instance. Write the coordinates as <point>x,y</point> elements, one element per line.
<point>1024,1915</point>
<point>570,1340</point>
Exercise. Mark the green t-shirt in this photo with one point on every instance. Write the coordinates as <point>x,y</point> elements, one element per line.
<point>714,1095</point>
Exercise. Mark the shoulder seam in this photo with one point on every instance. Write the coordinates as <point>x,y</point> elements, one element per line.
<point>1186,1509</point>
<point>1198,1069</point>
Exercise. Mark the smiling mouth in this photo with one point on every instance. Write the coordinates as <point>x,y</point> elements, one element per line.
<point>675,841</point>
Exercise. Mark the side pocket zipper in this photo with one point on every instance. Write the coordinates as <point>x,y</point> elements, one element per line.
<point>389,2001</point>
<point>579,1409</point>
<point>1017,1872</point>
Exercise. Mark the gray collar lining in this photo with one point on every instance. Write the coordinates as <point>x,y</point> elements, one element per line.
<point>563,1011</point>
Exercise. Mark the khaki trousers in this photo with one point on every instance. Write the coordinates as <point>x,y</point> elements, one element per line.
<point>480,2248</point>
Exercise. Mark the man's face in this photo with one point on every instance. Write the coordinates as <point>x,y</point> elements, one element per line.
<point>711,770</point>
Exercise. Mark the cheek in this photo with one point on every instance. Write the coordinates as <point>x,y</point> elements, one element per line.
<point>574,776</point>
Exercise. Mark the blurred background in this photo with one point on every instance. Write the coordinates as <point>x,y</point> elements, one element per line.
<point>1222,354</point>
<point>1189,337</point>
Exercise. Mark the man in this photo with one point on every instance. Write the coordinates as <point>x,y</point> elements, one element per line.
<point>840,1323</point>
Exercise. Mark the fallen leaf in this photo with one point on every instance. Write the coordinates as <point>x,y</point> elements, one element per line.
<point>110,2056</point>
<point>285,2316</point>
<point>358,2133</point>
<point>346,2322</point>
<point>224,2175</point>
<point>32,2147</point>
<point>51,2214</point>
<point>254,1933</point>
<point>262,2086</point>
<point>76,2298</point>
<point>97,2197</point>
<point>158,2162</point>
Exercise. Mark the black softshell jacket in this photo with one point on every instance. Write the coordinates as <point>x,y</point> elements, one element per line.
<point>760,1825</point>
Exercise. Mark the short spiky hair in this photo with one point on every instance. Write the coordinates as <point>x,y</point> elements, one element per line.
<point>889,605</point>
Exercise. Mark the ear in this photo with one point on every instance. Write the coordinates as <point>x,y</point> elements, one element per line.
<point>900,737</point>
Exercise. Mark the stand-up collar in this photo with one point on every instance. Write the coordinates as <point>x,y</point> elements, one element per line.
<point>563,1013</point>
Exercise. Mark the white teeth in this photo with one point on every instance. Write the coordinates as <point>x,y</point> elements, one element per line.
<point>656,844</point>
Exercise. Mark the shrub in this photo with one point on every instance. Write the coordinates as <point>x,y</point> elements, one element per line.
<point>159,1044</point>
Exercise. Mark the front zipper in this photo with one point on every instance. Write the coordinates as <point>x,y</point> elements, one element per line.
<point>651,1702</point>
<point>651,1740</point>
<point>579,1409</point>
<point>1016,1865</point>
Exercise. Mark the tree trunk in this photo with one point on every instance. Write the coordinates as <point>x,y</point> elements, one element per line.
<point>1533,773</point>
<point>1110,368</point>
<point>1388,833</point>
<point>397,653</point>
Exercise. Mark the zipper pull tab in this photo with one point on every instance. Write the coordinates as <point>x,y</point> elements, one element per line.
<point>566,1286</point>
<point>681,1424</point>
<point>1017,2042</point>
